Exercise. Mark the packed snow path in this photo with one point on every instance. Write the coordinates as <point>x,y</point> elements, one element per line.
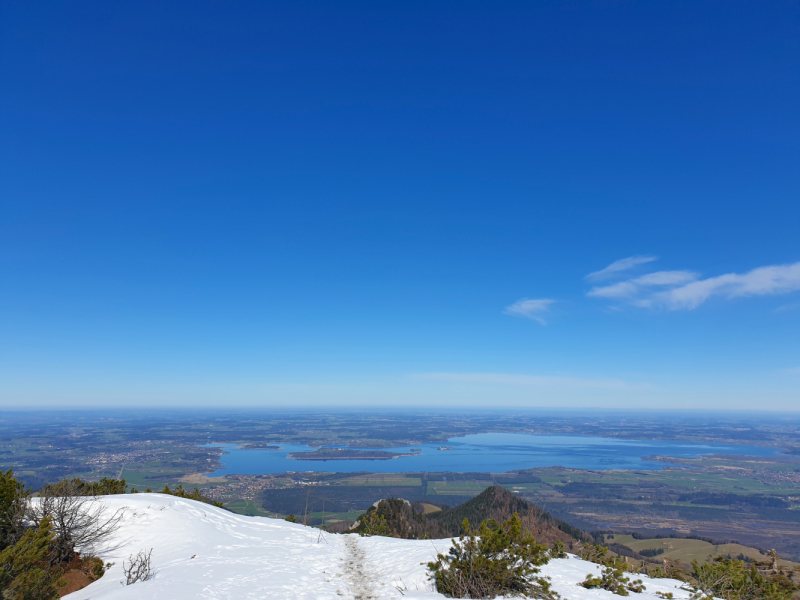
<point>202,552</point>
<point>359,579</point>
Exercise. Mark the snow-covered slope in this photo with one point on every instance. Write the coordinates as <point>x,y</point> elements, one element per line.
<point>204,552</point>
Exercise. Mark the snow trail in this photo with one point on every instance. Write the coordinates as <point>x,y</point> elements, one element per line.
<point>361,583</point>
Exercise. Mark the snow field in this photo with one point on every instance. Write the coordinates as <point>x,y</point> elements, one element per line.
<point>203,552</point>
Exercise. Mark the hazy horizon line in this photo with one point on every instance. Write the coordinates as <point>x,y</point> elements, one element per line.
<point>394,408</point>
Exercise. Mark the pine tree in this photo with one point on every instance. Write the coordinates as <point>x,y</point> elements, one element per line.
<point>23,567</point>
<point>373,524</point>
<point>558,550</point>
<point>12,496</point>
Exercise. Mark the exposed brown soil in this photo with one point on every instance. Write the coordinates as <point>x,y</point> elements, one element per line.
<point>79,573</point>
<point>76,580</point>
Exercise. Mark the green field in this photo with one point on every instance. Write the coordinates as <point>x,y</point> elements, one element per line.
<point>141,480</point>
<point>686,551</point>
<point>334,517</point>
<point>457,488</point>
<point>253,508</point>
<point>722,480</point>
<point>248,507</point>
<point>381,480</point>
<point>529,488</point>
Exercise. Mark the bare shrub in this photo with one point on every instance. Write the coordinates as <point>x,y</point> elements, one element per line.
<point>138,568</point>
<point>81,524</point>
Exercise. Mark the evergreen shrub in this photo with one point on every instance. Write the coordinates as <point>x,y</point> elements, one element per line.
<point>613,579</point>
<point>24,568</point>
<point>193,495</point>
<point>734,580</point>
<point>496,560</point>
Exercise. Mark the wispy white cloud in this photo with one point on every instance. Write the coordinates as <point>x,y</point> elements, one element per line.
<point>538,381</point>
<point>666,278</point>
<point>630,288</point>
<point>623,289</point>
<point>530,309</point>
<point>686,291</point>
<point>763,281</point>
<point>618,266</point>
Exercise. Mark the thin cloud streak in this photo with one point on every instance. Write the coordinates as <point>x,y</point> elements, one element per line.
<point>538,381</point>
<point>530,309</point>
<point>623,289</point>
<point>627,289</point>
<point>787,308</point>
<point>623,264</point>
<point>666,278</point>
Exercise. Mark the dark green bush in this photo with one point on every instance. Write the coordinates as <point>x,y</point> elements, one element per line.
<point>193,495</point>
<point>78,487</point>
<point>734,580</point>
<point>372,524</point>
<point>496,560</point>
<point>671,570</point>
<point>38,542</point>
<point>596,554</point>
<point>614,579</point>
<point>107,487</point>
<point>558,550</point>
<point>13,501</point>
<point>24,569</point>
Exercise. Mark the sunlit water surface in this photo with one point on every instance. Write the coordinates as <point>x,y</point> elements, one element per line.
<point>487,452</point>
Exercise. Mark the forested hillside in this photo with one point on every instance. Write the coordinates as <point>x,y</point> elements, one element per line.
<point>400,518</point>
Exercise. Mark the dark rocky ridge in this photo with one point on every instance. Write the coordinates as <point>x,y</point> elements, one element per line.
<point>406,520</point>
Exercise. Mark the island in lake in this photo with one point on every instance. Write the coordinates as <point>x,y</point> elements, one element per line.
<point>259,447</point>
<point>348,454</point>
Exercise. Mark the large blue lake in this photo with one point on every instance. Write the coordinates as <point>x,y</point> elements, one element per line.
<point>487,452</point>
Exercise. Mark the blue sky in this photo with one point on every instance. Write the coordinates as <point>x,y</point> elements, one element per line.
<point>421,204</point>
